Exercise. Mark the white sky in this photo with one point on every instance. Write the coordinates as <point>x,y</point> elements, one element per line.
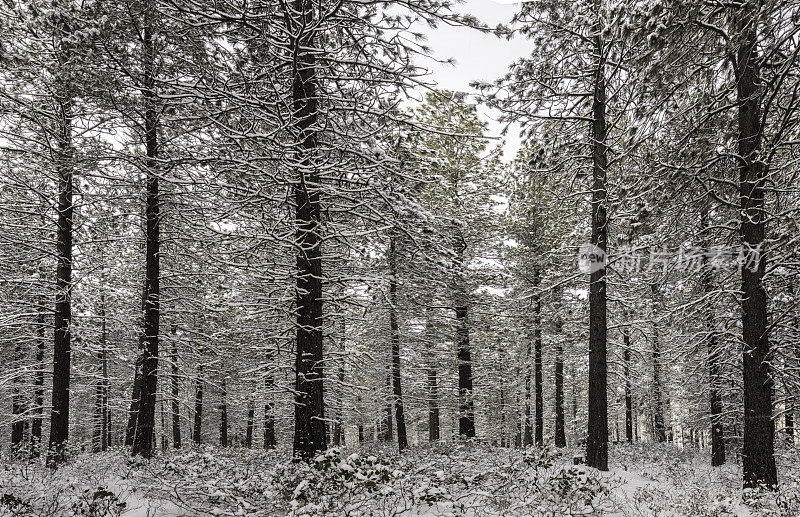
<point>477,56</point>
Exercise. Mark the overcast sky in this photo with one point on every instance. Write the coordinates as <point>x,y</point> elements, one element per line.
<point>477,56</point>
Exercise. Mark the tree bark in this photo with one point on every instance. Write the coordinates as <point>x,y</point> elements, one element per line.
<point>198,408</point>
<point>560,434</point>
<point>38,381</point>
<point>145,418</point>
<point>626,357</point>
<point>537,360</point>
<point>309,416</point>
<point>387,433</point>
<point>270,441</point>
<point>59,415</point>
<point>101,386</point>
<point>659,430</point>
<point>717,431</point>
<point>758,459</point>
<point>18,424</point>
<point>597,438</point>
<point>338,425</point>
<point>527,433</point>
<point>503,440</point>
<point>251,415</point>
<point>223,416</point>
<point>130,429</point>
<point>433,395</point>
<point>176,414</point>
<point>394,327</point>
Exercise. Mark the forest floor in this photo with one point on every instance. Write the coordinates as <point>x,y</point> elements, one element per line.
<point>443,479</point>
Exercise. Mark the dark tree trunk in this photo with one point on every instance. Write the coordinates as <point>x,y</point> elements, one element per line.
<point>527,433</point>
<point>145,418</point>
<point>339,427</point>
<point>101,387</point>
<point>574,405</point>
<point>270,441</point>
<point>59,415</point>
<point>659,430</point>
<point>433,395</point>
<point>537,360</point>
<point>130,429</point>
<point>717,431</point>
<point>597,438</point>
<point>251,415</point>
<point>176,413</point>
<point>503,441</point>
<point>397,390</point>
<point>466,404</point>
<point>98,420</point>
<point>466,420</point>
<point>136,397</point>
<point>518,424</point>
<point>38,381</point>
<point>560,434</point>
<point>164,441</point>
<point>626,357</point>
<point>386,427</point>
<point>18,424</point>
<point>338,424</point>
<point>223,416</point>
<point>758,459</point>
<point>309,415</point>
<point>105,442</point>
<point>198,408</point>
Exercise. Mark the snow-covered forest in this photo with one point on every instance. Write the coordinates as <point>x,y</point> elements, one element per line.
<point>256,260</point>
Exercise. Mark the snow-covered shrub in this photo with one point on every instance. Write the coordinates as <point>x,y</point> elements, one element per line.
<point>97,503</point>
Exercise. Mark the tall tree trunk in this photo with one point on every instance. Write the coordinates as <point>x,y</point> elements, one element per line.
<point>198,408</point>
<point>758,459</point>
<point>597,439</point>
<point>466,405</point>
<point>309,415</point>
<point>130,429</point>
<point>164,441</point>
<point>251,415</point>
<point>397,390</point>
<point>527,433</point>
<point>387,426</point>
<point>270,441</point>
<point>136,397</point>
<point>105,442</point>
<point>659,430</point>
<point>626,357</point>
<point>574,404</point>
<point>707,280</point>
<point>518,424</point>
<point>433,395</point>
<point>18,424</point>
<point>176,414</point>
<point>537,359</point>
<point>791,398</point>
<point>223,415</point>
<point>101,389</point>
<point>145,418</point>
<point>38,380</point>
<point>338,424</point>
<point>59,415</point>
<point>503,441</point>
<point>560,434</point>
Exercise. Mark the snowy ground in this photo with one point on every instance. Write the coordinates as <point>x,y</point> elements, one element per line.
<point>445,479</point>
